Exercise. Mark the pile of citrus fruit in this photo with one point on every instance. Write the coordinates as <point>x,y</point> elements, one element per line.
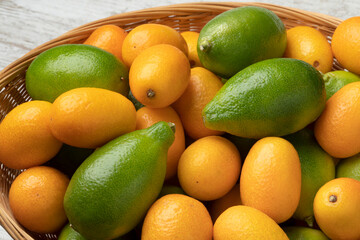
<point>241,131</point>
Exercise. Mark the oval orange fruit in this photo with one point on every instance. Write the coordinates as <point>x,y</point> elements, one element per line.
<point>337,130</point>
<point>145,117</point>
<point>25,136</point>
<point>271,178</point>
<point>203,86</point>
<point>90,117</point>
<point>246,223</point>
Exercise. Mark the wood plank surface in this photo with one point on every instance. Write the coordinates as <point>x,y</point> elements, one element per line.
<point>25,24</point>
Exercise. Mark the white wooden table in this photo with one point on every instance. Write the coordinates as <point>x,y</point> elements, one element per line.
<point>25,24</point>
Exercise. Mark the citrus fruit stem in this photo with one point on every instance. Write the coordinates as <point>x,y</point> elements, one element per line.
<point>150,93</point>
<point>172,126</point>
<point>205,45</point>
<point>310,221</point>
<point>333,198</point>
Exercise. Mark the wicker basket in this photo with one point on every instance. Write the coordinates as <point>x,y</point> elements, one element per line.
<point>182,17</point>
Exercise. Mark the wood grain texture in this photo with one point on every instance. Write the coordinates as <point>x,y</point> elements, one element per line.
<point>25,24</point>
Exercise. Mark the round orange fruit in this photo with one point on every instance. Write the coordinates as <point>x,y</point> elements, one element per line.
<point>25,137</point>
<point>271,178</point>
<point>147,35</point>
<point>246,223</point>
<point>209,168</point>
<point>159,75</point>
<point>191,39</point>
<point>310,45</point>
<point>337,130</point>
<point>36,199</point>
<point>203,86</point>
<point>337,208</point>
<point>176,216</point>
<point>109,38</point>
<point>145,117</point>
<point>345,44</point>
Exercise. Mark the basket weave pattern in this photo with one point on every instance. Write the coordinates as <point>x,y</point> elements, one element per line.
<point>182,17</point>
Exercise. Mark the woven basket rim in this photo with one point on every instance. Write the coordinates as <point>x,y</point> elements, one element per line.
<point>29,56</point>
<point>19,66</point>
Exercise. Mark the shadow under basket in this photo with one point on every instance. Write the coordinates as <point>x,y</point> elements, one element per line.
<point>182,17</point>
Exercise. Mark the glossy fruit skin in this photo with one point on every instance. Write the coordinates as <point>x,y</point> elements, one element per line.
<point>317,168</point>
<point>349,167</point>
<point>81,118</point>
<point>145,117</point>
<point>310,45</point>
<point>270,178</point>
<point>203,86</point>
<point>111,191</point>
<point>273,97</point>
<point>209,168</point>
<point>345,44</point>
<point>25,137</point>
<point>159,75</point>
<point>68,233</point>
<point>335,80</point>
<point>337,130</point>
<point>36,199</point>
<point>148,35</point>
<point>304,233</point>
<point>246,223</point>
<point>240,37</point>
<point>336,208</point>
<point>191,39</point>
<point>70,66</point>
<point>109,38</point>
<point>177,216</point>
